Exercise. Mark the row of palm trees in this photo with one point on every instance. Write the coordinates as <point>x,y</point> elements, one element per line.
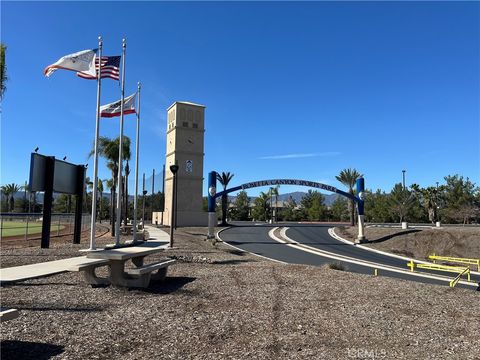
<point>347,177</point>
<point>108,149</point>
<point>8,191</point>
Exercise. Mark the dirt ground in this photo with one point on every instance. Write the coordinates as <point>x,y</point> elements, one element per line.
<point>221,303</point>
<point>421,242</point>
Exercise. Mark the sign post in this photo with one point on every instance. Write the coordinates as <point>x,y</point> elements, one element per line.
<point>47,201</point>
<point>212,215</point>
<point>77,227</point>
<point>174,169</point>
<point>360,207</point>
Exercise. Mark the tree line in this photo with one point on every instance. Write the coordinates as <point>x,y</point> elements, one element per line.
<point>106,205</point>
<point>457,202</point>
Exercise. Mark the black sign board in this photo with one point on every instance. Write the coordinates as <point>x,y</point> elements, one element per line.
<point>65,175</point>
<point>51,175</point>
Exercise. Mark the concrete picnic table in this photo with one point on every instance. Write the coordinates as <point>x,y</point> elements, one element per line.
<point>136,277</point>
<point>127,229</point>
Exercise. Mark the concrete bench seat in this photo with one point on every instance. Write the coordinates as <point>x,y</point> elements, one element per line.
<point>88,268</point>
<point>145,269</point>
<point>8,314</point>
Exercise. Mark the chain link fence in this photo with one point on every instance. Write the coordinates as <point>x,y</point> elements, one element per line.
<point>28,226</point>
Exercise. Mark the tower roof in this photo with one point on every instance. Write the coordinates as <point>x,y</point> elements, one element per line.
<point>185,103</point>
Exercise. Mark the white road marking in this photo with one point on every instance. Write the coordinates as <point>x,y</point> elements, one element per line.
<point>248,252</point>
<point>332,233</point>
<point>294,244</point>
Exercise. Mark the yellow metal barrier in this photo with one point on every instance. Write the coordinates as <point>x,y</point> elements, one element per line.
<point>455,281</point>
<point>458,260</point>
<point>455,269</point>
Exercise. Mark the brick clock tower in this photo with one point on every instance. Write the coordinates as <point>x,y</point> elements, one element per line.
<point>185,146</point>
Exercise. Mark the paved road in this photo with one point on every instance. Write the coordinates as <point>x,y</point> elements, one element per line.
<point>254,238</point>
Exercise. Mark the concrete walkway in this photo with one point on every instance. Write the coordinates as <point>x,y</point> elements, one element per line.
<point>26,272</point>
<point>157,234</point>
<point>32,271</point>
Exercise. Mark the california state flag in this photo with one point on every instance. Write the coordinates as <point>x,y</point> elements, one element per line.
<point>114,109</point>
<point>83,61</point>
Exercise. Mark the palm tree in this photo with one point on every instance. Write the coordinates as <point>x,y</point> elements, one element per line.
<point>127,172</point>
<point>100,193</point>
<point>111,185</point>
<point>6,196</point>
<point>224,179</point>
<point>429,197</point>
<point>262,200</point>
<point>274,192</point>
<point>9,191</point>
<point>88,185</point>
<point>108,149</point>
<point>25,188</point>
<point>348,177</point>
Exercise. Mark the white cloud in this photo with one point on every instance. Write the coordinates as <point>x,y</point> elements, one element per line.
<point>296,156</point>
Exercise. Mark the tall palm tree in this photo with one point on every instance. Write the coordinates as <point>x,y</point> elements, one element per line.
<point>429,197</point>
<point>100,198</point>
<point>111,185</point>
<point>4,195</point>
<point>348,177</point>
<point>125,193</point>
<point>273,191</point>
<point>263,199</point>
<point>9,191</point>
<point>25,205</point>
<point>88,185</point>
<point>224,179</point>
<point>108,149</point>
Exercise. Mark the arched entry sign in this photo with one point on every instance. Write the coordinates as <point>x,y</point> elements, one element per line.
<point>212,195</point>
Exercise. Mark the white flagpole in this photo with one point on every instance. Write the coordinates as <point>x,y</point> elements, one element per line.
<point>120,146</point>
<point>136,168</point>
<point>95,161</point>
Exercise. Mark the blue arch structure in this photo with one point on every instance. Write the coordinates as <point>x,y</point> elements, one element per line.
<point>212,195</point>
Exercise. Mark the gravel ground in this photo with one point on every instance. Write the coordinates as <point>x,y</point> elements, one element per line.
<point>420,243</point>
<point>220,303</point>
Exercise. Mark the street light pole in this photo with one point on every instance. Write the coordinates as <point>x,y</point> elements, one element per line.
<point>403,171</point>
<point>173,169</point>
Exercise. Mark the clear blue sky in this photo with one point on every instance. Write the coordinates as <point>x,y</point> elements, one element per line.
<point>293,90</point>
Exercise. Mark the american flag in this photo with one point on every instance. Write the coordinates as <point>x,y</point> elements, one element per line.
<point>110,68</point>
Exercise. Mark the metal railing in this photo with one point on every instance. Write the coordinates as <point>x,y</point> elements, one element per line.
<point>28,226</point>
<point>456,260</point>
<point>446,268</point>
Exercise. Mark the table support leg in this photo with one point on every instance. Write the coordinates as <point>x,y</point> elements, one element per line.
<point>93,279</point>
<point>160,274</point>
<point>118,276</point>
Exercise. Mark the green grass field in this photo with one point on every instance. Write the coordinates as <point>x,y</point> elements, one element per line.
<point>16,228</point>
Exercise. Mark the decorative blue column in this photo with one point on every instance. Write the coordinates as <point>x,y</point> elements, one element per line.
<point>360,207</point>
<point>212,191</point>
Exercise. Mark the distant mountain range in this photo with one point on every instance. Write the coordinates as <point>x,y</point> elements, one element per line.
<point>21,194</point>
<point>297,196</point>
